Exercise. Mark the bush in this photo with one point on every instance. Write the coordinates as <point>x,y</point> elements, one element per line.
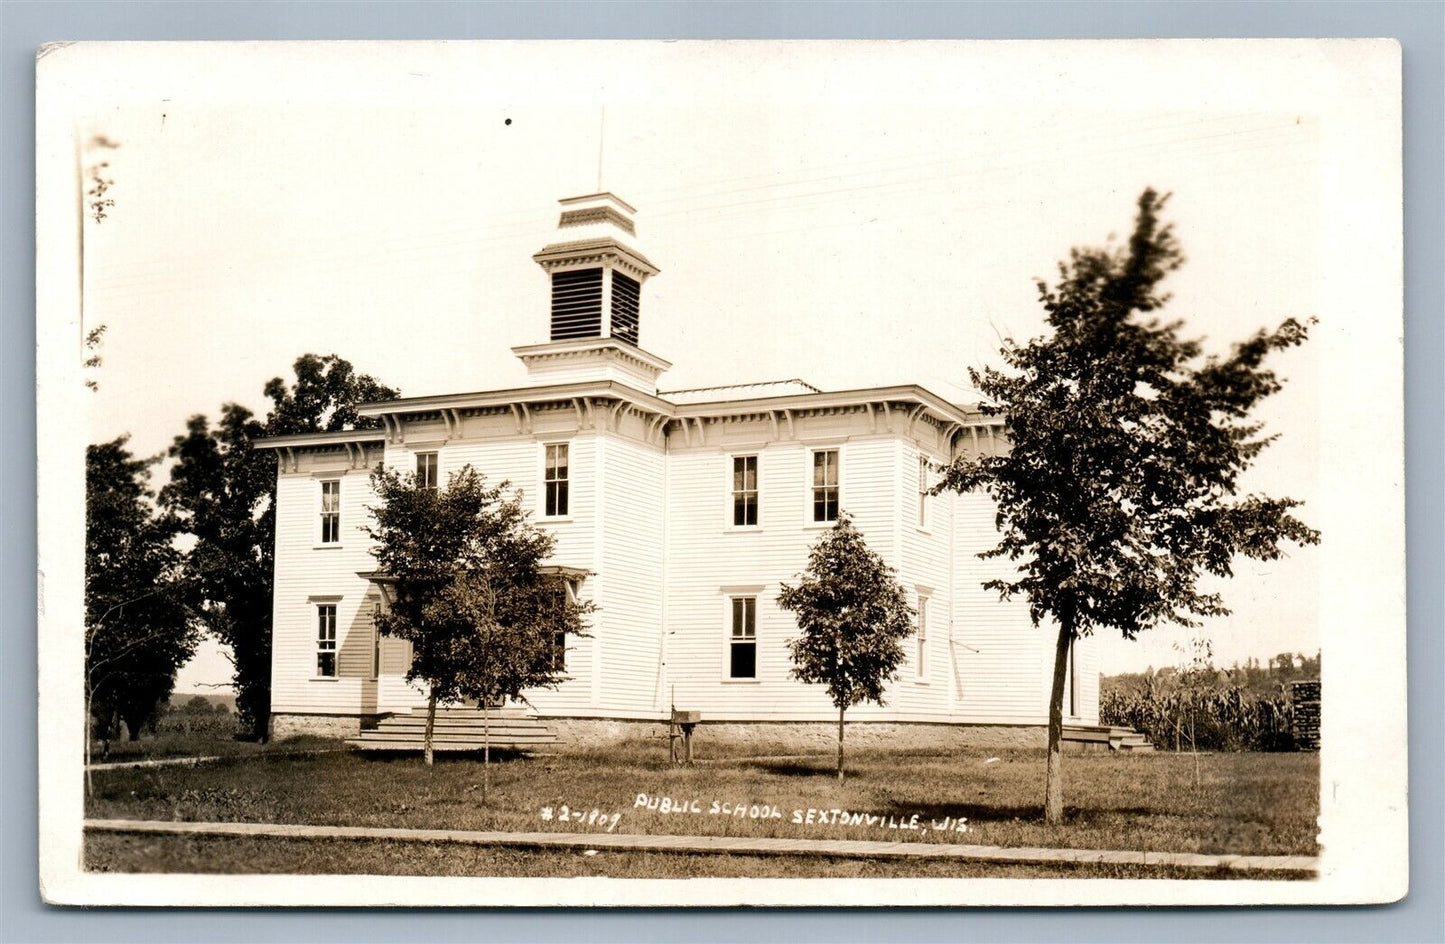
<point>1221,719</point>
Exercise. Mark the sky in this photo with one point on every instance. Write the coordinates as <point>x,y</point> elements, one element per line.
<point>807,224</point>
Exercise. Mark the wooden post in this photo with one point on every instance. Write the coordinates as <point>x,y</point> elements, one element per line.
<point>840,743</point>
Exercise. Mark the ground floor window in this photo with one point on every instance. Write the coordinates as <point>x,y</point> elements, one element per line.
<point>557,652</point>
<point>921,663</point>
<point>743,640</point>
<point>326,640</point>
<point>1072,694</point>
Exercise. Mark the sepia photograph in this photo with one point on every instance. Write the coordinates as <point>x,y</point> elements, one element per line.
<point>611,473</point>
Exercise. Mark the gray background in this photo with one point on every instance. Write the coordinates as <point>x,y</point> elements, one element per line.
<point>1419,26</point>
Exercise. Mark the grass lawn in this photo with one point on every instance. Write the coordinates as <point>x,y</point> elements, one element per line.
<point>190,734</point>
<point>1257,804</point>
<point>114,852</point>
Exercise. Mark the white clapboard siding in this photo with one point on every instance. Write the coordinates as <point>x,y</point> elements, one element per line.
<point>309,573</point>
<point>1002,659</point>
<point>500,454</point>
<point>627,626</point>
<point>1088,678</point>
<point>709,561</point>
<point>925,568</point>
<point>651,523</point>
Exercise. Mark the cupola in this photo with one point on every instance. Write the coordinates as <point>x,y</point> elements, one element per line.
<point>596,276</point>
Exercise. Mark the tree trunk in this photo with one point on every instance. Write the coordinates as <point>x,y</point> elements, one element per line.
<point>431,720</point>
<point>486,749</point>
<point>1054,789</point>
<point>840,743</point>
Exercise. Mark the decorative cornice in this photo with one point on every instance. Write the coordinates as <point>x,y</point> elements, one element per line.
<point>599,196</point>
<point>604,249</point>
<point>599,214</point>
<point>579,348</point>
<point>603,404</point>
<point>337,438</point>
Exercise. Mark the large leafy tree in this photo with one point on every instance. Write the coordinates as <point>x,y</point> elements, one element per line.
<point>1120,487</point>
<point>222,493</point>
<point>854,616</point>
<point>138,630</point>
<point>463,567</point>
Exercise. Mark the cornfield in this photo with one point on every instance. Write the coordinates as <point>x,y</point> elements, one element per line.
<point>1217,719</point>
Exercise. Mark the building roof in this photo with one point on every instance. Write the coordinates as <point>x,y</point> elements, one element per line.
<point>766,388</point>
<point>745,399</point>
<point>338,437</point>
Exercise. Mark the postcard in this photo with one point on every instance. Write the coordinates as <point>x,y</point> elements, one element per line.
<point>721,473</point>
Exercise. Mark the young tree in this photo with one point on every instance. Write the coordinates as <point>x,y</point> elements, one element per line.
<point>1197,678</point>
<point>854,616</point>
<point>1126,446</point>
<point>463,564</point>
<point>222,492</point>
<point>138,631</point>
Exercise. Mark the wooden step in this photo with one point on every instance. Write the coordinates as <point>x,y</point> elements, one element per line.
<point>538,733</point>
<point>456,728</point>
<point>466,727</point>
<point>412,746</point>
<point>1118,738</point>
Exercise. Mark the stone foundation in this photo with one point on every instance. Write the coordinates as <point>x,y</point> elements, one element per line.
<point>804,736</point>
<point>332,726</point>
<point>800,736</point>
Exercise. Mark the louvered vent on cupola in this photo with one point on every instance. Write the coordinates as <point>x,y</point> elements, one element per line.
<point>625,295</point>
<point>577,304</point>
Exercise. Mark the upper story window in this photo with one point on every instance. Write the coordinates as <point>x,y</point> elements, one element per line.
<point>376,640</point>
<point>743,639</point>
<point>745,491</point>
<point>923,485</point>
<point>921,663</point>
<point>326,640</point>
<point>555,481</point>
<point>331,511</point>
<point>426,470</point>
<point>825,485</point>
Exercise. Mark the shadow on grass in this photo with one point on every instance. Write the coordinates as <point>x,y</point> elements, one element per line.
<point>799,767</point>
<point>440,758</point>
<point>1003,813</point>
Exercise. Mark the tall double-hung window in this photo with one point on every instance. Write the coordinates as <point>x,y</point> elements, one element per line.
<point>920,663</point>
<point>426,470</point>
<point>331,511</point>
<point>326,640</point>
<point>923,486</point>
<point>555,481</point>
<point>743,639</point>
<point>745,491</point>
<point>825,485</point>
